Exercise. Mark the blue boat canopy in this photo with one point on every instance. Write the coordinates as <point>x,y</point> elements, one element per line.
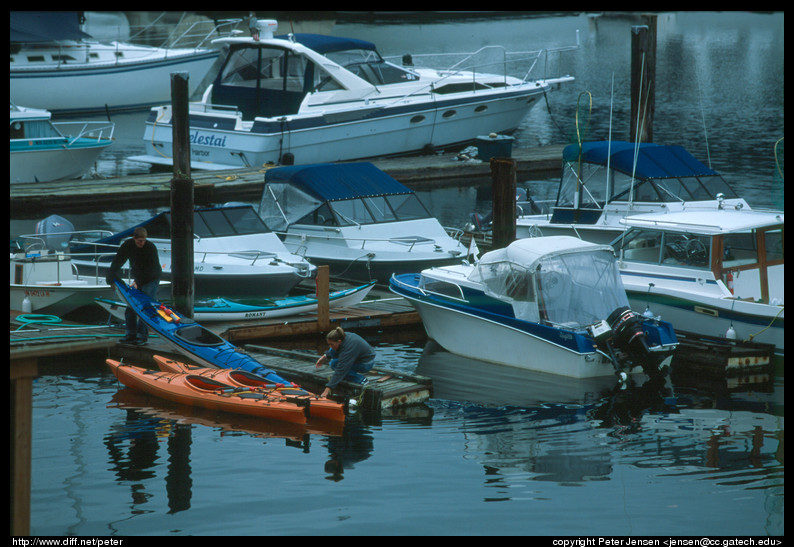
<point>331,182</point>
<point>335,195</point>
<point>662,173</point>
<point>654,161</point>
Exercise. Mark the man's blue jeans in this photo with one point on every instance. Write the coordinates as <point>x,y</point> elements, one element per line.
<point>353,375</point>
<point>135,327</point>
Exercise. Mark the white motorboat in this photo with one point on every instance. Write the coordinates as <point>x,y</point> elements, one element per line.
<point>603,182</point>
<point>549,304</point>
<point>55,65</point>
<point>235,255</point>
<point>716,272</point>
<point>43,150</point>
<point>309,98</point>
<point>356,219</point>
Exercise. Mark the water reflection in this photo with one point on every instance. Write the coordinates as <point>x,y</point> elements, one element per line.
<point>524,426</point>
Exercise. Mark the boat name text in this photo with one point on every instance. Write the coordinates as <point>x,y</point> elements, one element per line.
<point>207,140</point>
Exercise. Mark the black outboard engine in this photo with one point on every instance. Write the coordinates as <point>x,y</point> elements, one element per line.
<point>479,223</point>
<point>629,337</point>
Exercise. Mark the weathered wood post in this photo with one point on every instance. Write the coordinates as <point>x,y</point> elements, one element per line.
<point>643,80</point>
<point>323,304</point>
<point>503,182</point>
<point>182,289</point>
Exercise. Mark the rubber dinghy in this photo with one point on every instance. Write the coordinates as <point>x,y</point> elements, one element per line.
<point>319,407</point>
<point>201,344</point>
<point>194,390</point>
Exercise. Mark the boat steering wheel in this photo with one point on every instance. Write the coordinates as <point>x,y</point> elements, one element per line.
<point>696,252</point>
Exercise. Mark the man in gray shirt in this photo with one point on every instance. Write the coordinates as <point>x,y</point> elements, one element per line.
<point>348,356</point>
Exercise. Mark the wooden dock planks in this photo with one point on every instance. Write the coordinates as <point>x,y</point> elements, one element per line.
<point>384,390</point>
<point>246,184</point>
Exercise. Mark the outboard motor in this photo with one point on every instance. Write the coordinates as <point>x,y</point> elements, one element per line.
<point>55,231</point>
<point>479,223</point>
<point>628,336</point>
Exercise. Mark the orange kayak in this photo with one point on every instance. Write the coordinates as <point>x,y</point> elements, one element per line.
<point>195,390</point>
<point>318,408</point>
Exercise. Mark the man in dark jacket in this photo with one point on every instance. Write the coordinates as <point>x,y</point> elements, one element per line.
<point>145,271</point>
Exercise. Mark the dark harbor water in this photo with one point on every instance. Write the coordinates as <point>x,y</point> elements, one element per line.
<point>496,451</point>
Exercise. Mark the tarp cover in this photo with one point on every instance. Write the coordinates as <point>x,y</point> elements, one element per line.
<point>653,160</point>
<point>559,279</point>
<point>45,26</point>
<point>329,181</point>
<point>294,191</point>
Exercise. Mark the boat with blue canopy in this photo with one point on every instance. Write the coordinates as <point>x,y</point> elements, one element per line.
<point>605,181</point>
<point>356,219</point>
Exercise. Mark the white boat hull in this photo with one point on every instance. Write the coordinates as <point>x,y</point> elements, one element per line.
<point>57,164</point>
<point>95,88</point>
<point>505,345</point>
<point>393,131</point>
<point>714,316</point>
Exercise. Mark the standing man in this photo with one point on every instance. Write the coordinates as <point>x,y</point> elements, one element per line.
<point>145,271</point>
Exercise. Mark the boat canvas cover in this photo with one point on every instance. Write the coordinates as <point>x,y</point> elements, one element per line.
<point>295,191</point>
<point>653,160</point>
<point>45,26</point>
<point>559,279</point>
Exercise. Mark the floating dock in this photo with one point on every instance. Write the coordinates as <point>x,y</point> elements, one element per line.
<point>154,189</point>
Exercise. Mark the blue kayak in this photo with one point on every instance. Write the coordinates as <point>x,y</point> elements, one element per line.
<point>202,345</point>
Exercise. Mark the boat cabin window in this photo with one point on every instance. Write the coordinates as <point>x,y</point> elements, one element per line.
<point>667,248</point>
<point>593,189</point>
<point>370,66</point>
<point>640,246</point>
<point>34,129</point>
<point>351,211</point>
<point>773,241</point>
<point>322,216</point>
<point>367,210</point>
<point>407,207</point>
<point>264,81</point>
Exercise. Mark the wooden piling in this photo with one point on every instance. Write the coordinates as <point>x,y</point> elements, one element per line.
<point>182,289</point>
<point>643,80</point>
<point>503,181</point>
<point>323,304</point>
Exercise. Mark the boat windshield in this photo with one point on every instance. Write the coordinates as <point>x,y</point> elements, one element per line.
<point>667,248</point>
<point>592,187</point>
<point>265,81</point>
<point>572,290</point>
<point>226,221</point>
<point>369,66</point>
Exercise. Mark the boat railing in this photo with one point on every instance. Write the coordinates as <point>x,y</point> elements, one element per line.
<point>410,242</point>
<point>467,65</point>
<point>425,291</point>
<point>184,33</point>
<point>86,130</point>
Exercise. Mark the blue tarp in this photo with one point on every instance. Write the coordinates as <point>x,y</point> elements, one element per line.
<point>653,160</point>
<point>330,181</point>
<point>328,44</point>
<point>46,26</point>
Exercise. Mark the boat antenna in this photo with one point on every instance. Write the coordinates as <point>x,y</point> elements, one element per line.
<point>577,193</point>
<point>703,119</point>
<point>609,140</point>
<point>637,135</point>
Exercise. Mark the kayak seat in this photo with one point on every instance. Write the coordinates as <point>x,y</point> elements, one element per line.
<point>198,335</point>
